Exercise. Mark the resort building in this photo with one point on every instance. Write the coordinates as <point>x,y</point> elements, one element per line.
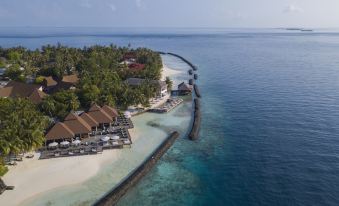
<point>184,89</point>
<point>100,116</point>
<point>59,132</point>
<point>75,126</point>
<point>111,112</point>
<point>136,67</point>
<point>130,57</point>
<point>22,90</point>
<point>70,79</point>
<point>67,82</point>
<point>49,83</point>
<point>160,85</point>
<point>90,121</point>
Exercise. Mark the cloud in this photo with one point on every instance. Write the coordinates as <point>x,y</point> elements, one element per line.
<point>293,9</point>
<point>112,7</point>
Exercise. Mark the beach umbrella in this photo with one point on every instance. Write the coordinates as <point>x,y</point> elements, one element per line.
<point>53,144</point>
<point>105,139</point>
<point>76,142</point>
<point>127,114</point>
<point>127,141</point>
<point>115,137</point>
<point>64,143</point>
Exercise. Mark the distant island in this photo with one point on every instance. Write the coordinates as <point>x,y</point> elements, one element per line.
<point>299,29</point>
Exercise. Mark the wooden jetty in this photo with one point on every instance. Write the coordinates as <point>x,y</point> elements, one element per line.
<point>168,106</point>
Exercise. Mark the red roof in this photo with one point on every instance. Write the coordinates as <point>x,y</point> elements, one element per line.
<point>136,67</point>
<point>130,55</point>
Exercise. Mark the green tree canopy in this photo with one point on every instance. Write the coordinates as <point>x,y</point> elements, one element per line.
<point>60,104</point>
<point>21,126</point>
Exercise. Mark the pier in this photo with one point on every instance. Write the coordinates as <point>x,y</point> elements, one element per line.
<point>168,106</point>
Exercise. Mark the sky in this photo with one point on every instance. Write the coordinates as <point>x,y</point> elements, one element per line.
<point>171,13</point>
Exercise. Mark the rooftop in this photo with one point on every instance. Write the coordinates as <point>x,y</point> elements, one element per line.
<point>22,90</point>
<point>74,79</point>
<point>49,81</point>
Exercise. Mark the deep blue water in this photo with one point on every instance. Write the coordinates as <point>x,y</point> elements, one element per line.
<point>270,117</point>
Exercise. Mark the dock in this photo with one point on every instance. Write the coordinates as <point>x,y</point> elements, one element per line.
<point>168,106</point>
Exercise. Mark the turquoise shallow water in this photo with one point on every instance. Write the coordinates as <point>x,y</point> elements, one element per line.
<point>270,118</point>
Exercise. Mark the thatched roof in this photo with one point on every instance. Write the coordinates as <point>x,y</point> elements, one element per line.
<point>77,124</point>
<point>94,108</point>
<point>22,90</point>
<point>99,114</point>
<point>184,87</point>
<point>70,116</point>
<point>49,81</point>
<point>59,131</point>
<point>6,91</point>
<point>89,120</point>
<point>110,111</point>
<point>74,79</point>
<point>37,96</point>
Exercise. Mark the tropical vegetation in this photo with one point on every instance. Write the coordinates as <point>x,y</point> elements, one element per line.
<point>102,73</point>
<point>22,127</point>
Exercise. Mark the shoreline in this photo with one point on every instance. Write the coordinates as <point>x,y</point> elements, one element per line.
<point>33,178</point>
<point>112,197</point>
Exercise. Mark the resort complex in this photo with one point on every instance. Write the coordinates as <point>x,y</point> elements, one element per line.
<point>87,133</point>
<point>55,109</point>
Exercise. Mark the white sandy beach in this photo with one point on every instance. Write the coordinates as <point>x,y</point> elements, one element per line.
<point>168,72</point>
<point>34,177</point>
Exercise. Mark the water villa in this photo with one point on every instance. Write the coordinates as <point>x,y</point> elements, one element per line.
<point>184,89</point>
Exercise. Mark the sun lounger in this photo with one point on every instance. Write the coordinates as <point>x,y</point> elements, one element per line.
<point>19,159</point>
<point>12,163</point>
<point>127,142</point>
<point>9,187</point>
<point>30,156</point>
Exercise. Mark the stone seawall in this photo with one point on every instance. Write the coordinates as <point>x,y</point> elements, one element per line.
<point>113,197</point>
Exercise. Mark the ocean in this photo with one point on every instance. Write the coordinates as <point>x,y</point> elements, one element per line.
<point>270,107</point>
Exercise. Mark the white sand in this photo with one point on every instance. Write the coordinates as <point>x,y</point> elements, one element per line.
<point>33,177</point>
<point>168,72</point>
